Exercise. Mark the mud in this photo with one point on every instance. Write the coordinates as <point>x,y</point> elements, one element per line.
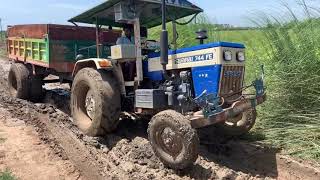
<point>127,154</point>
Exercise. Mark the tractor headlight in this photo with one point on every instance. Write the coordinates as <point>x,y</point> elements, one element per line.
<point>227,55</point>
<point>241,56</point>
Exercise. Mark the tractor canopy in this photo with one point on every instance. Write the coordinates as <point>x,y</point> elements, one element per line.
<point>148,12</point>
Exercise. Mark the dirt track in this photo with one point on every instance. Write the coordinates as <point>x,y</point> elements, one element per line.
<point>126,154</point>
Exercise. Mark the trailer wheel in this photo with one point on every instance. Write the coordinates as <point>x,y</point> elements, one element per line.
<point>95,101</point>
<point>18,81</point>
<point>173,139</point>
<point>241,127</point>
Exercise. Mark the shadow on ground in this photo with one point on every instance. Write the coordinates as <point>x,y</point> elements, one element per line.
<point>238,154</point>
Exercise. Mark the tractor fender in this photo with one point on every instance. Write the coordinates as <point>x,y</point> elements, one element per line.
<point>96,63</point>
<point>101,64</point>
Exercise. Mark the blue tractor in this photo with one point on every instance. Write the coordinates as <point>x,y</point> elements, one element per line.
<point>181,90</point>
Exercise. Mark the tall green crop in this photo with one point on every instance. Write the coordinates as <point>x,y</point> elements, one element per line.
<point>290,50</point>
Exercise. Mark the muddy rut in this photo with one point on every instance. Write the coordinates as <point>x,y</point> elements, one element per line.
<point>126,154</point>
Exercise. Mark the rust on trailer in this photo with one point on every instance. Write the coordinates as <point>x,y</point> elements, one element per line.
<point>62,32</point>
<point>36,31</point>
<point>62,66</point>
<point>56,46</point>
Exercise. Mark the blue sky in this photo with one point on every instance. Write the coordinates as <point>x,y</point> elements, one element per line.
<point>235,12</point>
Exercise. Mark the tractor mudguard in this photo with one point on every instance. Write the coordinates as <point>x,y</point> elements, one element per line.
<point>95,63</point>
<point>102,64</point>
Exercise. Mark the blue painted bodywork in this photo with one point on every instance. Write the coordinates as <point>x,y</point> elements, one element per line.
<point>206,78</point>
<point>200,47</point>
<point>154,76</point>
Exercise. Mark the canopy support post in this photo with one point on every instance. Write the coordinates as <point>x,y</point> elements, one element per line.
<point>137,41</point>
<point>98,38</point>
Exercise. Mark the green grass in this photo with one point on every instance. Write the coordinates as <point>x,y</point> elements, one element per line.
<point>2,36</point>
<point>291,117</point>
<point>2,44</point>
<point>7,175</point>
<point>290,50</point>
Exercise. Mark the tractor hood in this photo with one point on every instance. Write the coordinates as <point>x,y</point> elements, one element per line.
<point>149,12</point>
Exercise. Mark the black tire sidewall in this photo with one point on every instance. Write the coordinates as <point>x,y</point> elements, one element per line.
<point>190,141</point>
<point>20,73</point>
<point>103,94</point>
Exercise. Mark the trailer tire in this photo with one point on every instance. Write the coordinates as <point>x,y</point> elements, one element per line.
<point>95,101</point>
<point>173,139</point>
<point>18,81</point>
<point>241,127</point>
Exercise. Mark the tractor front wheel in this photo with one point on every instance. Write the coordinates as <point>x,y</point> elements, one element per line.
<point>95,101</point>
<point>173,139</point>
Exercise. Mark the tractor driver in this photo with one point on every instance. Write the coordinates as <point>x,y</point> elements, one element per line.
<point>126,37</point>
<point>129,68</point>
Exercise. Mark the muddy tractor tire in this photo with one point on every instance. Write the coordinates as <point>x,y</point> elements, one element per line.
<point>95,101</point>
<point>173,139</point>
<point>18,81</point>
<point>240,127</point>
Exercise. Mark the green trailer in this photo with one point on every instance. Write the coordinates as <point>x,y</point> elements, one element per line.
<point>56,46</point>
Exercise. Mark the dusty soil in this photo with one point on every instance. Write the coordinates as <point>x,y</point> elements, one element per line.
<point>22,152</point>
<point>126,154</point>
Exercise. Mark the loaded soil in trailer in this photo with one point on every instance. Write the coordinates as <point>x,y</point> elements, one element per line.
<point>125,154</point>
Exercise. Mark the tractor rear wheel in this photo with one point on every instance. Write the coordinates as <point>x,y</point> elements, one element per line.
<point>18,81</point>
<point>95,101</point>
<point>173,139</point>
<point>240,127</point>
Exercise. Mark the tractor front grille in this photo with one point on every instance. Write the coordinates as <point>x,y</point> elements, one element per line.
<point>231,82</point>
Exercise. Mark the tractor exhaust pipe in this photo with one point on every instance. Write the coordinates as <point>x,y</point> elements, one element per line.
<point>164,41</point>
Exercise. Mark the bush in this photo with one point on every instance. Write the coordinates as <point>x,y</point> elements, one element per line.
<point>291,118</point>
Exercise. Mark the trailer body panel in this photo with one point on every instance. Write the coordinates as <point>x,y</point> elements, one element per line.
<point>56,46</point>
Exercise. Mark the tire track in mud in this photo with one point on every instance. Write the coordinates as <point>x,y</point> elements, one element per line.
<point>126,154</point>
<point>65,145</point>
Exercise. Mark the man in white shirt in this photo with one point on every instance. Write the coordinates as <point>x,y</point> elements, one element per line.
<point>126,37</point>
<point>129,68</point>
